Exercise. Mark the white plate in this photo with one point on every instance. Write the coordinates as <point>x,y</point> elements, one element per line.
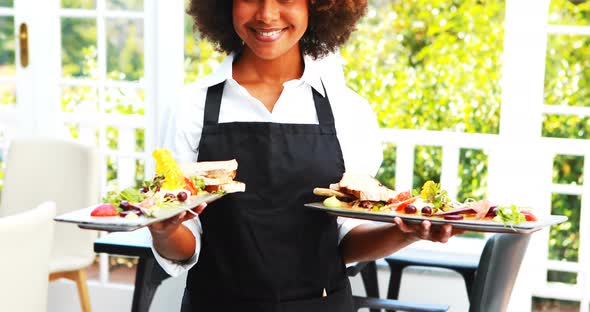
<point>84,220</point>
<point>466,224</point>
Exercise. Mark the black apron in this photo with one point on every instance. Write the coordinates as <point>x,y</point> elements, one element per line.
<point>262,250</point>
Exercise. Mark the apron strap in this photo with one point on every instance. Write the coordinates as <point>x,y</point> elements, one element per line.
<point>213,104</point>
<point>324,111</point>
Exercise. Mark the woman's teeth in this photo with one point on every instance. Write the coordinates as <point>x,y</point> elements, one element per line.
<point>268,33</point>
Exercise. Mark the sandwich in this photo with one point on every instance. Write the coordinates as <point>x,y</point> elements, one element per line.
<point>361,190</point>
<point>213,176</point>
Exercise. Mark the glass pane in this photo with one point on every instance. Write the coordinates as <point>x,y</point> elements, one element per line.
<point>564,12</point>
<point>78,4</point>
<point>139,172</point>
<point>427,165</point>
<point>567,70</point>
<point>129,101</point>
<point>85,134</point>
<point>140,141</point>
<point>386,172</point>
<point>79,100</point>
<point>7,3</point>
<point>568,169</point>
<point>564,238</point>
<point>473,172</point>
<point>133,5</point>
<point>79,51</point>
<point>112,135</point>
<point>200,55</point>
<point>125,49</point>
<point>555,305</point>
<point>569,127</point>
<point>7,46</point>
<point>430,64</point>
<point>8,94</point>
<point>562,277</point>
<point>112,166</point>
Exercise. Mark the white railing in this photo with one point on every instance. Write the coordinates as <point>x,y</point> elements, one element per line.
<point>405,141</point>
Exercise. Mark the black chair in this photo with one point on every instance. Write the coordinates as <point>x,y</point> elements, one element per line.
<point>466,266</point>
<point>368,271</point>
<point>489,279</point>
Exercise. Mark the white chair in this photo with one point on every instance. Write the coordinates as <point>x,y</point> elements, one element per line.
<point>25,243</point>
<point>68,173</point>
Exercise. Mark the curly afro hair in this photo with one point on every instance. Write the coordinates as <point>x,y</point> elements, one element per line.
<point>330,24</point>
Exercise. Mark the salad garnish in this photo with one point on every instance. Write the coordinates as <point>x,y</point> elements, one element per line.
<point>509,215</point>
<point>432,192</point>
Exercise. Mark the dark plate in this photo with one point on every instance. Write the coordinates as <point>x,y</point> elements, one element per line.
<point>84,220</point>
<point>470,225</point>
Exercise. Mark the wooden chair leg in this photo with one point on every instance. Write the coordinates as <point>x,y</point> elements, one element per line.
<point>79,277</point>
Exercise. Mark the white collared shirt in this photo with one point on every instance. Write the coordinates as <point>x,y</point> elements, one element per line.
<point>356,125</point>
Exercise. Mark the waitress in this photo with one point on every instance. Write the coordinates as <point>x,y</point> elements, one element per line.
<point>270,106</point>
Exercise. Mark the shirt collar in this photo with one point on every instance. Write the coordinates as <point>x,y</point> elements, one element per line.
<point>311,74</point>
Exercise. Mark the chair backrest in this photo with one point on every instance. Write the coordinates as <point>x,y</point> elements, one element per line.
<point>25,243</point>
<point>496,274</point>
<point>68,173</point>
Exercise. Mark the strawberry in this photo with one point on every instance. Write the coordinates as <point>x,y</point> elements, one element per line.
<point>104,210</point>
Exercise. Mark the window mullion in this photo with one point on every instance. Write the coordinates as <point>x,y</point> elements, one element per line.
<point>164,66</point>
<point>520,156</point>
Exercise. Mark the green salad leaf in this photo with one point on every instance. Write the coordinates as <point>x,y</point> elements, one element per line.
<point>509,215</point>
<point>129,194</point>
<point>198,182</point>
<point>432,193</point>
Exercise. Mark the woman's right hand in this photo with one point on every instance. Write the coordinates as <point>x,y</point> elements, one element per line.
<point>166,227</point>
<point>173,240</point>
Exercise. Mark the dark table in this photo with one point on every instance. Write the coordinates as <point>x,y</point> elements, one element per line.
<point>149,273</point>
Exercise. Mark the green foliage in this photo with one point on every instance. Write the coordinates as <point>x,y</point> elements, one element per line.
<point>79,56</point>
<point>430,64</point>
<point>7,44</point>
<point>7,3</point>
<point>564,239</point>
<point>78,4</point>
<point>200,55</point>
<point>566,13</point>
<point>125,4</point>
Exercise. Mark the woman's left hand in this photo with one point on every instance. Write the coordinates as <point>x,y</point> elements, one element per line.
<point>427,231</point>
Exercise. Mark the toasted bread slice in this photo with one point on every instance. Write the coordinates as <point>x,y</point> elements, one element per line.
<point>329,192</point>
<point>232,187</point>
<point>365,187</point>
<point>217,181</point>
<point>210,169</point>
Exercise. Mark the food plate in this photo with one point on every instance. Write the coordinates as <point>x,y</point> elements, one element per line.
<point>119,224</point>
<point>470,225</point>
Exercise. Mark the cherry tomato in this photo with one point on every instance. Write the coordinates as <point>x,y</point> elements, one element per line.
<point>189,186</point>
<point>529,216</point>
<point>403,205</point>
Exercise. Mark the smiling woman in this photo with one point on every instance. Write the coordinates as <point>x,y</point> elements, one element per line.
<point>330,22</point>
<point>271,106</point>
